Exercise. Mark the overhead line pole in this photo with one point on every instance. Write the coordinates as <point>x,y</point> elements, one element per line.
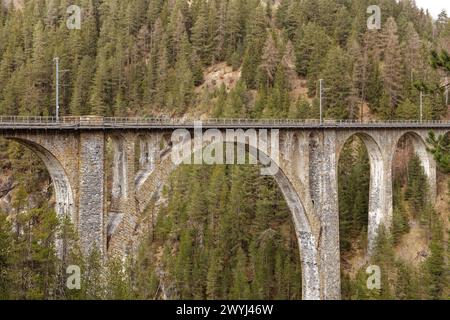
<point>421,106</point>
<point>57,88</point>
<point>320,98</point>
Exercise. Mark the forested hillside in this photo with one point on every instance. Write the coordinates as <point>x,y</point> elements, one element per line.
<point>225,232</point>
<point>144,57</point>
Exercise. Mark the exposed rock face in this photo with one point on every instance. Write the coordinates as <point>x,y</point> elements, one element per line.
<point>91,191</point>
<point>218,75</point>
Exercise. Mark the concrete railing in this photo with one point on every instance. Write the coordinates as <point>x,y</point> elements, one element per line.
<point>137,122</point>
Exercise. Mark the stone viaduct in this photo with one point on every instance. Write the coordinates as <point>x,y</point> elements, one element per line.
<point>108,213</point>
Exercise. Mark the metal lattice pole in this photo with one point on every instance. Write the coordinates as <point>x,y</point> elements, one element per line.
<point>421,106</point>
<point>320,98</point>
<point>57,87</point>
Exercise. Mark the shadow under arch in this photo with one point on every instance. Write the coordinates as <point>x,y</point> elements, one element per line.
<point>379,213</point>
<point>64,205</point>
<point>427,161</point>
<point>307,243</point>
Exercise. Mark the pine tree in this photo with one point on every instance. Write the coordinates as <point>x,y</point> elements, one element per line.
<point>220,103</point>
<point>100,90</point>
<point>176,30</point>
<point>278,103</point>
<point>354,180</point>
<point>237,101</point>
<point>400,225</point>
<point>384,258</point>
<point>117,286</point>
<point>417,186</point>
<point>255,40</point>
<point>80,98</point>
<point>407,110</point>
<point>283,12</point>
<point>145,279</point>
<point>312,45</point>
<point>270,61</point>
<point>157,80</point>
<point>93,282</point>
<point>359,79</point>
<point>201,38</point>
<point>37,91</point>
<point>440,148</point>
<point>5,256</point>
<point>375,88</point>
<point>337,80</point>
<point>240,289</point>
<point>235,27</point>
<point>90,28</point>
<point>184,265</point>
<point>342,26</point>
<point>435,264</point>
<point>181,85</point>
<point>219,32</point>
<point>412,54</point>
<point>213,287</point>
<point>301,110</point>
<point>392,66</point>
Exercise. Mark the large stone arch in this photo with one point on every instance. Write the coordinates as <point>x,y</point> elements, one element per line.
<point>380,189</point>
<point>64,196</point>
<point>151,188</point>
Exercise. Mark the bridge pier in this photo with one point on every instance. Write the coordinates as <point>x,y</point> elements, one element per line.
<point>91,227</point>
<point>328,209</point>
<point>311,169</point>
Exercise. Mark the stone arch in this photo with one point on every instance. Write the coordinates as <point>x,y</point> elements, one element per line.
<point>119,167</point>
<point>380,213</point>
<point>418,140</point>
<point>65,205</point>
<point>147,154</point>
<point>152,187</point>
<point>315,155</point>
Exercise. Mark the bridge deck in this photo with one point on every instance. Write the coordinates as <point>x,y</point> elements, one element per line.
<point>100,123</point>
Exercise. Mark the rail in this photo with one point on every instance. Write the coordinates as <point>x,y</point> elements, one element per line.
<point>20,122</point>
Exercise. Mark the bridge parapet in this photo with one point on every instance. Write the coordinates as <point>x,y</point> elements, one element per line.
<point>98,122</point>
